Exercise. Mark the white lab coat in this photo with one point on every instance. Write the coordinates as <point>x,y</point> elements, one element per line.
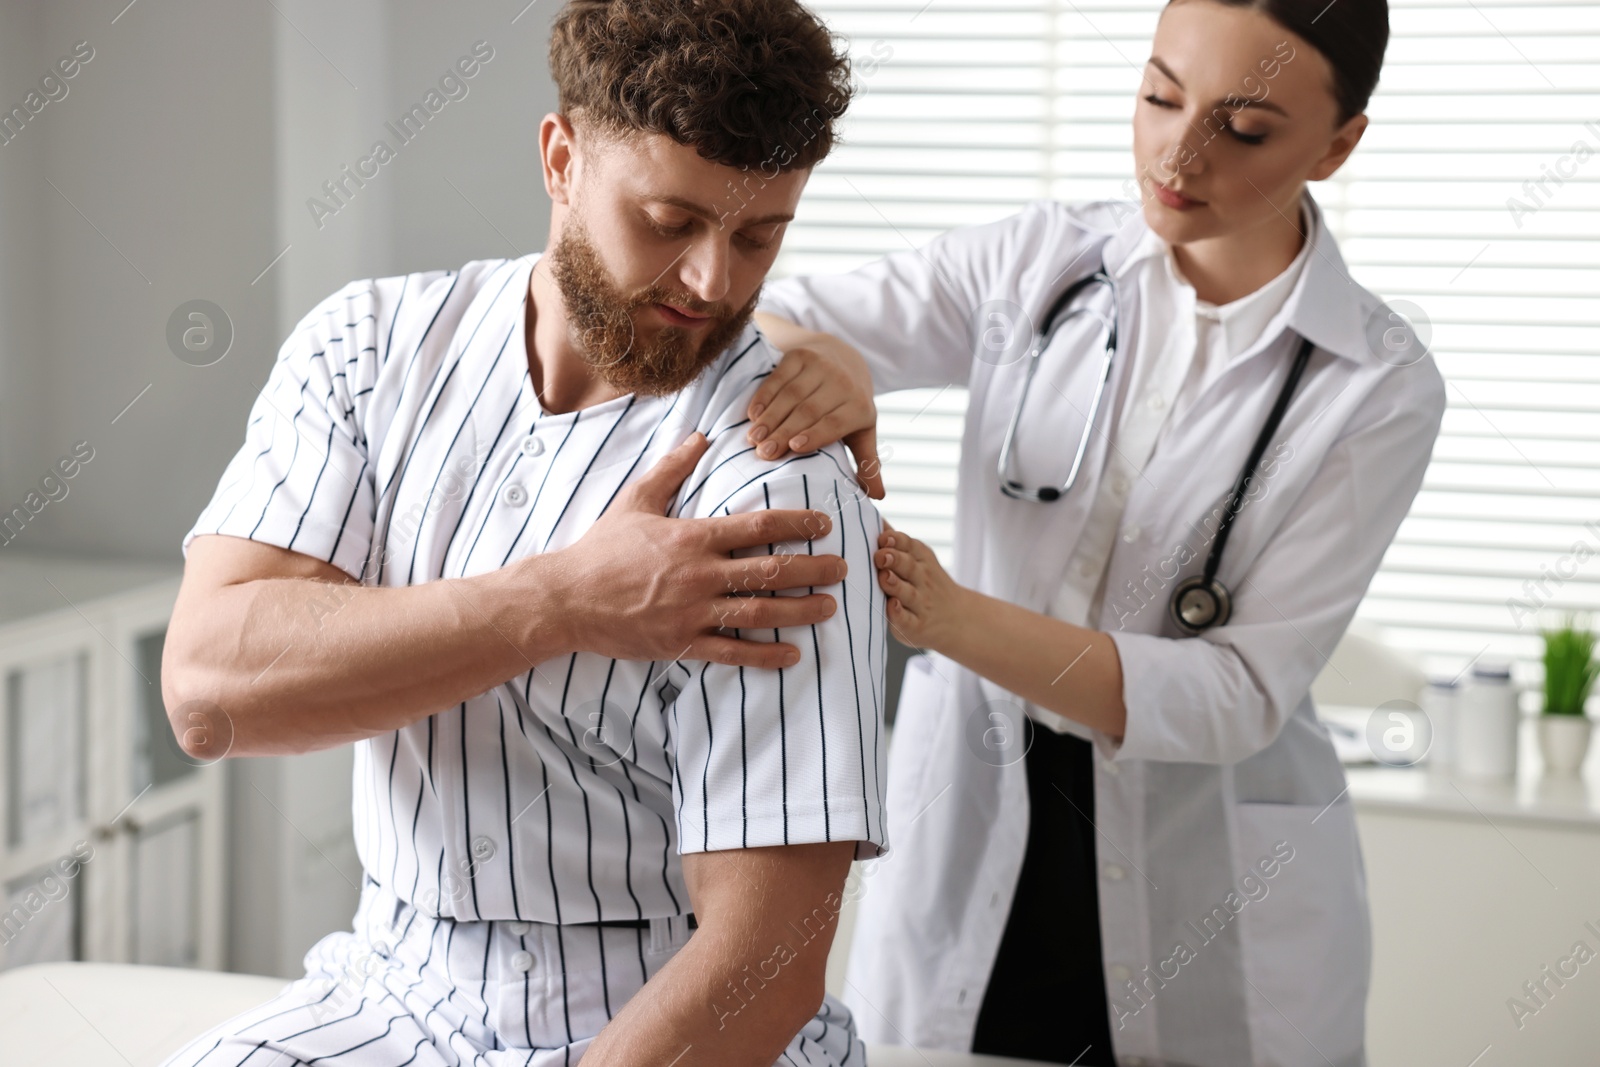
<point>1233,906</point>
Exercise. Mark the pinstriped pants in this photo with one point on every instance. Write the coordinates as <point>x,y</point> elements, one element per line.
<point>405,990</point>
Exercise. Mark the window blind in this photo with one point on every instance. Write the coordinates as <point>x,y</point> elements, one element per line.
<point>964,112</point>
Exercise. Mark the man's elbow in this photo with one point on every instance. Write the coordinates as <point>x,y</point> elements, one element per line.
<point>801,996</point>
<point>195,694</point>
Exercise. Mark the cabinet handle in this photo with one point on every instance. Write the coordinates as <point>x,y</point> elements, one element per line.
<point>124,824</point>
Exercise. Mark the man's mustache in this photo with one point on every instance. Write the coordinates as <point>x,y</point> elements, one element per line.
<point>719,311</point>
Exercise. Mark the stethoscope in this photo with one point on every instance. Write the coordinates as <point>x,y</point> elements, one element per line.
<point>1200,601</point>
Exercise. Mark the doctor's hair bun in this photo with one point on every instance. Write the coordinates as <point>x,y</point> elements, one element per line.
<point>746,83</point>
<point>1352,36</point>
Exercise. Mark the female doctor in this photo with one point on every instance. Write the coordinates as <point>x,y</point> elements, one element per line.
<point>1119,833</point>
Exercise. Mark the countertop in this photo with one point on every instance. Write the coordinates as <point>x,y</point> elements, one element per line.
<point>1567,802</point>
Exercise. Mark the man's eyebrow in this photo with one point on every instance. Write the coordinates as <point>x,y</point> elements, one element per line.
<point>1236,102</point>
<point>711,216</point>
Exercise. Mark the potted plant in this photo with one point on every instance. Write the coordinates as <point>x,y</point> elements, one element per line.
<point>1569,674</point>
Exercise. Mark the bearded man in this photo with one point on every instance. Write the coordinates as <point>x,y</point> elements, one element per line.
<point>499,528</point>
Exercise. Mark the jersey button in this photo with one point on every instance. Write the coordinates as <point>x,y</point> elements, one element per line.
<point>1156,401</point>
<point>514,495</point>
<point>532,446</point>
<point>518,928</point>
<point>522,961</point>
<point>482,848</point>
<point>1131,534</point>
<point>1120,973</point>
<point>1115,873</point>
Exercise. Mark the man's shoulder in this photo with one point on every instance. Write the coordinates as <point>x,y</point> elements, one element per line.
<point>733,377</point>
<point>398,307</point>
<point>731,477</point>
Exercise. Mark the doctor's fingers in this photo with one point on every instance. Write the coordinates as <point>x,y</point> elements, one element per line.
<point>904,622</point>
<point>798,416</point>
<point>898,562</point>
<point>900,588</point>
<point>893,541</point>
<point>779,392</point>
<point>863,445</point>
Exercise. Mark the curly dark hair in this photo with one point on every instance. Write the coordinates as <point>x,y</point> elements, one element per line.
<point>746,83</point>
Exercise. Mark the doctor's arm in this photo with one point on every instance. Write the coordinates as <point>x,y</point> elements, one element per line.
<point>1070,670</point>
<point>1224,695</point>
<point>909,320</point>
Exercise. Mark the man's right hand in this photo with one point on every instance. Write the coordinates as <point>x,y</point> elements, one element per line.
<point>642,586</point>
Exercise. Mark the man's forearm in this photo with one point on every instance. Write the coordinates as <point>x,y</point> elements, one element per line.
<point>297,665</point>
<point>753,973</point>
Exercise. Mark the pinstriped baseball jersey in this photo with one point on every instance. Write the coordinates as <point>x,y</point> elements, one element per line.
<point>399,438</point>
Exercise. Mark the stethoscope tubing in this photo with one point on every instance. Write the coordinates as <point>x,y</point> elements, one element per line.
<point>1205,583</point>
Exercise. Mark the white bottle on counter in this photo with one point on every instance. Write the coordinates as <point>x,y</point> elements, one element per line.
<point>1438,701</point>
<point>1487,718</point>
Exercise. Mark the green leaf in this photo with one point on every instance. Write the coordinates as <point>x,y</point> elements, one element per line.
<point>1569,667</point>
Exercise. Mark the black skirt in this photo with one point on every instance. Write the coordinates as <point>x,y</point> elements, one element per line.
<point>1046,997</point>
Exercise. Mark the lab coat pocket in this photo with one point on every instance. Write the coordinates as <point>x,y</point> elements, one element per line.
<point>1305,931</point>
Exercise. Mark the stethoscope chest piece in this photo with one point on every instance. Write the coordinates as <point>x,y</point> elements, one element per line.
<point>1199,603</point>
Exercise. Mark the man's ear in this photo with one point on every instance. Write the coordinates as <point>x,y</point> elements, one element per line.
<point>558,152</point>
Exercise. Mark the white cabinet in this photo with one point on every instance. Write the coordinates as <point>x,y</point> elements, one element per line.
<point>1481,893</point>
<point>111,837</point>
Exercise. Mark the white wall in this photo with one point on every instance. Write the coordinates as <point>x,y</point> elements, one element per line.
<point>190,144</point>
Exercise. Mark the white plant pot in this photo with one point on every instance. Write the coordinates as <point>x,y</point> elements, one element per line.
<point>1564,742</point>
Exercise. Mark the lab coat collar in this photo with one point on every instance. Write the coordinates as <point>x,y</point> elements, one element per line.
<point>1326,304</point>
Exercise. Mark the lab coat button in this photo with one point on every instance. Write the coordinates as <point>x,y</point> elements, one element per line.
<point>518,928</point>
<point>1131,534</point>
<point>1157,401</point>
<point>532,446</point>
<point>1115,873</point>
<point>522,961</point>
<point>514,495</point>
<point>1120,973</point>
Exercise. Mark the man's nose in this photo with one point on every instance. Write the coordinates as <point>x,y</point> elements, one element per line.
<point>704,270</point>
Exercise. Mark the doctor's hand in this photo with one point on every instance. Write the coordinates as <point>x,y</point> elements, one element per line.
<point>925,603</point>
<point>819,393</point>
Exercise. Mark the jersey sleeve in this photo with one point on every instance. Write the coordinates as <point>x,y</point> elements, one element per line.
<point>794,755</point>
<point>303,479</point>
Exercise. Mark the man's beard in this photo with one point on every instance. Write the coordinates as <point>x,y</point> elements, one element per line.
<point>600,317</point>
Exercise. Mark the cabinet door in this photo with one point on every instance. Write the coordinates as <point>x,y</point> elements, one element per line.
<point>46,684</point>
<point>167,907</point>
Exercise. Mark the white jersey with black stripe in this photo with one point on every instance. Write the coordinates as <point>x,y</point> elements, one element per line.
<point>399,438</point>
